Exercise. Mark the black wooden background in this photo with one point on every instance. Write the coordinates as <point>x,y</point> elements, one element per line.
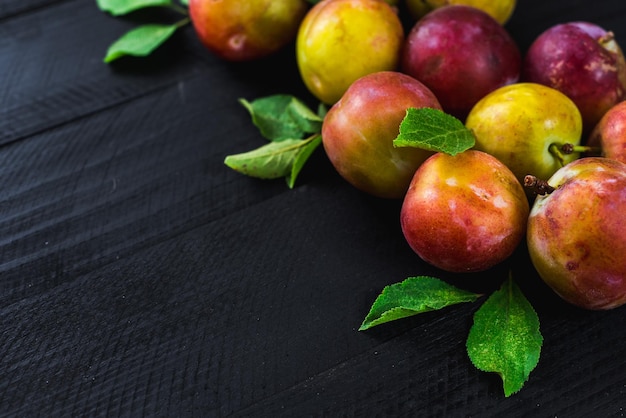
<point>141,277</point>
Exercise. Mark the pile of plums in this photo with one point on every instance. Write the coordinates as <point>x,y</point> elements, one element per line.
<point>549,161</point>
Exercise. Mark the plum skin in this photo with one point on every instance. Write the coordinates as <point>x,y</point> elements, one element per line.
<point>461,53</point>
<point>576,235</point>
<point>583,61</point>
<point>519,122</point>
<point>246,30</point>
<point>341,40</point>
<point>358,132</point>
<point>464,213</point>
<point>610,133</point>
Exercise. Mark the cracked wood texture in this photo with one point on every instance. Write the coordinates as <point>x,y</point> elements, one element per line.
<point>141,277</point>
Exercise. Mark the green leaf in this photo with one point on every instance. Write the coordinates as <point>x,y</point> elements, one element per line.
<point>140,41</point>
<point>301,158</point>
<point>413,296</point>
<point>184,2</point>
<point>282,116</point>
<point>322,110</point>
<point>275,159</point>
<point>434,130</point>
<point>122,7</point>
<point>505,337</point>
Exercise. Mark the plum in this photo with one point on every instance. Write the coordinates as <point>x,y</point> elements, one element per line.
<point>577,234</point>
<point>358,132</point>
<point>525,125</point>
<point>245,30</point>
<point>583,61</point>
<point>342,40</point>
<point>609,135</point>
<point>464,213</point>
<point>461,53</point>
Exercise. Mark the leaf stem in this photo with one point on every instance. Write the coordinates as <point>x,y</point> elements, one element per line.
<point>182,22</point>
<point>179,9</point>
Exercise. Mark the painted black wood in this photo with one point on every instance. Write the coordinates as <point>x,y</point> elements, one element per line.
<point>141,277</point>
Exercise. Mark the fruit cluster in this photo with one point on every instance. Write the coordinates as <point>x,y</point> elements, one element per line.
<point>549,160</point>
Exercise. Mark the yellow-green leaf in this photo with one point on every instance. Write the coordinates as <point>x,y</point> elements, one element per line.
<point>505,337</point>
<point>122,7</point>
<point>282,116</point>
<point>412,296</point>
<point>275,159</point>
<point>140,41</point>
<point>434,130</point>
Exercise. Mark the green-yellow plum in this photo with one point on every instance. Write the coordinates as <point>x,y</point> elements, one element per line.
<point>577,233</point>
<point>464,213</point>
<point>245,30</point>
<point>501,10</point>
<point>358,132</point>
<point>525,126</point>
<point>342,40</point>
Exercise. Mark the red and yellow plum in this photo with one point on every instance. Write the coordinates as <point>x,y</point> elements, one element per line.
<point>577,233</point>
<point>464,213</point>
<point>358,132</point>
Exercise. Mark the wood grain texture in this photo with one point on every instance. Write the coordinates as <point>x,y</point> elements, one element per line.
<point>141,277</point>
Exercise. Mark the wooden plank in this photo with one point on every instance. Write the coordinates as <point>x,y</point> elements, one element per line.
<point>70,80</point>
<point>94,190</point>
<point>85,192</point>
<point>11,8</point>
<point>141,278</point>
<point>74,82</point>
<point>217,322</point>
<point>205,329</point>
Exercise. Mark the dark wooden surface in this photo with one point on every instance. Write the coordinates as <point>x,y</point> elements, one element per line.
<point>141,277</point>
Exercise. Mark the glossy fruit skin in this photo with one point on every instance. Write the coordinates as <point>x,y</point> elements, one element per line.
<point>246,30</point>
<point>340,41</point>
<point>583,61</point>
<point>577,234</point>
<point>358,133</point>
<point>464,213</point>
<point>461,53</point>
<point>501,10</point>
<point>610,133</point>
<point>518,123</point>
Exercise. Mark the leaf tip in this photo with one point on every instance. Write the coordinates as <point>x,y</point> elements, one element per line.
<point>365,326</point>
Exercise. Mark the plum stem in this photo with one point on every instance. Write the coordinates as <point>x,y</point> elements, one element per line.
<point>607,37</point>
<point>555,149</point>
<point>537,185</point>
<point>179,9</point>
<point>568,148</point>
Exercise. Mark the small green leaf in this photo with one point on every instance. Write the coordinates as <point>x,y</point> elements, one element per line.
<point>282,116</point>
<point>184,2</point>
<point>122,7</point>
<point>434,130</point>
<point>413,296</point>
<point>301,158</point>
<point>140,41</point>
<point>275,159</point>
<point>322,110</point>
<point>505,337</point>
